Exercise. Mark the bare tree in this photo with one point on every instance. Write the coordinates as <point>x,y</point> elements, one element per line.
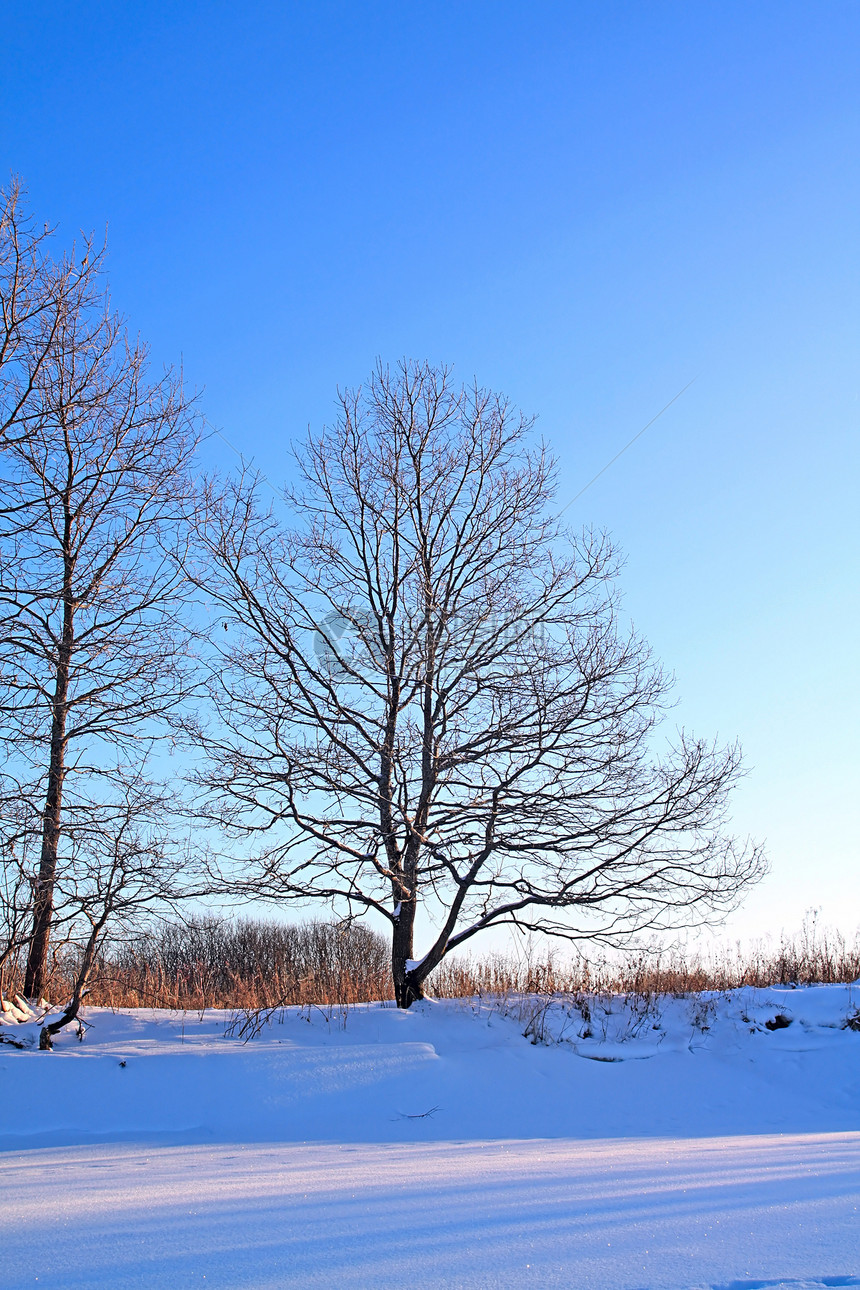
<point>124,865</point>
<point>92,652</point>
<point>16,903</point>
<point>425,693</point>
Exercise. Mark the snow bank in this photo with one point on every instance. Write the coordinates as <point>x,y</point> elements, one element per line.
<point>711,1142</point>
<point>688,1067</point>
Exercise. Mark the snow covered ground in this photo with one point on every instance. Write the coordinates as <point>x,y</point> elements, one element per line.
<point>706,1142</point>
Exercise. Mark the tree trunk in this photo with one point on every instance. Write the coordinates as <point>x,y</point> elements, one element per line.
<point>407,987</point>
<point>43,911</point>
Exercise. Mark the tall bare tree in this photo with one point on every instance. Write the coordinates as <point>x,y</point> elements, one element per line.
<point>93,655</point>
<point>425,693</point>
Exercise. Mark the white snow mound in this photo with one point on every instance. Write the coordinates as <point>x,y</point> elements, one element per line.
<point>710,1142</point>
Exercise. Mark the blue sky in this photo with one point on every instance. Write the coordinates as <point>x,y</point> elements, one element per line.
<point>584,204</point>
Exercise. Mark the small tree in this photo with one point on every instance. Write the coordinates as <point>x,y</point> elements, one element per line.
<point>125,866</point>
<point>16,905</point>
<point>424,693</point>
<point>93,656</point>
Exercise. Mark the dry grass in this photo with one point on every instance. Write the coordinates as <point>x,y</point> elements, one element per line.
<point>811,957</point>
<point>249,965</point>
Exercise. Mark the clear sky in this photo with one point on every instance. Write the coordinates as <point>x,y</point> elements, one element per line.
<point>584,204</point>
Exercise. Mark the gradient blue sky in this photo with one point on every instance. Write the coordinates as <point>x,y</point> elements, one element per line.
<point>585,205</point>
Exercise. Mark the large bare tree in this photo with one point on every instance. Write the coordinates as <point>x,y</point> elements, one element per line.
<point>92,650</point>
<point>425,693</point>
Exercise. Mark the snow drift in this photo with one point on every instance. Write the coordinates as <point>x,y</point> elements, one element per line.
<point>711,1141</point>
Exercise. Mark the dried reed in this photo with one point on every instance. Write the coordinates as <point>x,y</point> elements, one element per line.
<point>249,965</point>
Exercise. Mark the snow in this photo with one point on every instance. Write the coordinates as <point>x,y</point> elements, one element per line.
<point>643,1147</point>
